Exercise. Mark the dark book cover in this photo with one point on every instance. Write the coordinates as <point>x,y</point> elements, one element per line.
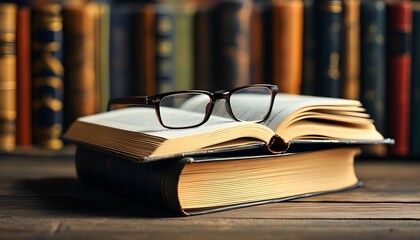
<point>23,76</point>
<point>204,48</point>
<point>308,48</point>
<point>164,44</point>
<point>7,76</point>
<point>372,61</point>
<point>81,87</point>
<point>415,84</point>
<point>123,64</point>
<point>328,51</point>
<point>47,75</point>
<point>399,30</point>
<point>233,56</point>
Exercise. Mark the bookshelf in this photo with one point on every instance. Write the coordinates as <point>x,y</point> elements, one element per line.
<point>118,48</point>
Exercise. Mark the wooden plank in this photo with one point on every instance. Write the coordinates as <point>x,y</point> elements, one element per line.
<point>193,228</point>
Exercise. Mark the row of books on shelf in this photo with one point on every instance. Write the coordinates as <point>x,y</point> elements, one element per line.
<point>68,60</point>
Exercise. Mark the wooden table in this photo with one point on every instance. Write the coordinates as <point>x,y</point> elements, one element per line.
<point>41,198</point>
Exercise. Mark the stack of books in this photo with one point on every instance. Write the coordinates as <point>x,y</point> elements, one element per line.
<point>305,147</point>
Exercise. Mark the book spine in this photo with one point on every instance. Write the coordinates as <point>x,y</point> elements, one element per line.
<point>287,45</point>
<point>204,45</point>
<point>351,49</point>
<point>372,60</point>
<point>256,42</point>
<point>233,44</point>
<point>47,75</point>
<point>7,76</point>
<point>308,48</point>
<point>152,183</point>
<point>328,30</point>
<point>164,53</point>
<point>399,29</point>
<point>102,54</point>
<point>122,50</point>
<point>415,84</point>
<point>80,85</point>
<point>183,53</point>
<point>23,77</point>
<point>147,53</point>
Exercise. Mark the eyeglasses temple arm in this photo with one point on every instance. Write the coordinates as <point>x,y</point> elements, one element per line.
<point>128,101</point>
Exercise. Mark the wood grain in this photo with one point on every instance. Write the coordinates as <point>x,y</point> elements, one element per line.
<point>41,198</point>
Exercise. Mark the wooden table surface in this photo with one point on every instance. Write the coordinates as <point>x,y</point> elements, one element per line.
<point>41,198</point>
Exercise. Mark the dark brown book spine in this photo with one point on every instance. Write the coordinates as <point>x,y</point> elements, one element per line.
<point>81,91</point>
<point>23,75</point>
<point>7,76</point>
<point>287,45</point>
<point>233,44</point>
<point>399,29</point>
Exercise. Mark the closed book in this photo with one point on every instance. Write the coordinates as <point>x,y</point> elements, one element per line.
<point>351,49</point>
<point>47,75</point>
<point>328,51</point>
<point>373,66</point>
<point>164,48</point>
<point>7,76</point>
<point>287,30</point>
<point>308,49</point>
<point>23,77</point>
<point>183,46</point>
<point>415,84</point>
<point>204,48</point>
<point>123,45</point>
<point>147,51</point>
<point>233,34</point>
<point>399,30</point>
<point>372,60</point>
<point>210,183</point>
<point>80,78</point>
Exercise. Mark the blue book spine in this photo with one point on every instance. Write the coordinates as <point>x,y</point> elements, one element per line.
<point>122,53</point>
<point>164,39</point>
<point>47,75</point>
<point>328,31</point>
<point>308,81</point>
<point>372,59</point>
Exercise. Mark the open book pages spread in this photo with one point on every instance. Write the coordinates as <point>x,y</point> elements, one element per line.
<point>136,131</point>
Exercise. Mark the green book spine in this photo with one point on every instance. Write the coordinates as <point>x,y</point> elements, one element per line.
<point>415,83</point>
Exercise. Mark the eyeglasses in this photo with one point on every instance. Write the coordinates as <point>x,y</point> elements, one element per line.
<point>192,108</point>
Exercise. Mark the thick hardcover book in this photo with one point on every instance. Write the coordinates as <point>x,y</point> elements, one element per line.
<point>308,58</point>
<point>204,48</point>
<point>7,76</point>
<point>147,52</point>
<point>233,44</point>
<point>184,47</point>
<point>287,45</point>
<point>123,65</point>
<point>210,183</point>
<point>81,95</point>
<point>399,30</point>
<point>47,75</point>
<point>294,120</point>
<point>23,77</point>
<point>415,84</point>
<point>328,51</point>
<point>351,49</point>
<point>164,44</point>
<point>372,60</point>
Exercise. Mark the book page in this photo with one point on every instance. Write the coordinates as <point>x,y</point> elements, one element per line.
<point>144,120</point>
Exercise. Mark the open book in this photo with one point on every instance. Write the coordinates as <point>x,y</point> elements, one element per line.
<point>136,132</point>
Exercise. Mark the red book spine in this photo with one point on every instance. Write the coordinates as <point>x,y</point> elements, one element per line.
<point>399,21</point>
<point>23,75</point>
